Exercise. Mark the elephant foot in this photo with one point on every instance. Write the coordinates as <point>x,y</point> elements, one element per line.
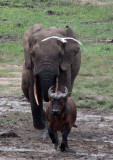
<point>39,121</point>
<point>45,134</point>
<point>38,124</point>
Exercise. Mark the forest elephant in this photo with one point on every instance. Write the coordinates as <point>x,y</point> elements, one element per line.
<point>49,54</point>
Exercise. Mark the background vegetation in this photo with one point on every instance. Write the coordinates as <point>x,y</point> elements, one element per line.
<point>92,21</point>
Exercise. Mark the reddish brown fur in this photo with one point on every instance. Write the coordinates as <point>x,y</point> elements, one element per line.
<point>66,117</point>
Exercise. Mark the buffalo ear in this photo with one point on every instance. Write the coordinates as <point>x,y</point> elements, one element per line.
<point>70,50</point>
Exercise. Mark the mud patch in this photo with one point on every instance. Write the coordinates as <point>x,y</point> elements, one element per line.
<point>106,41</point>
<point>9,134</point>
<point>7,3</point>
<point>99,41</point>
<point>96,22</point>
<point>7,38</point>
<point>87,76</point>
<point>92,140</point>
<point>93,2</point>
<point>50,12</point>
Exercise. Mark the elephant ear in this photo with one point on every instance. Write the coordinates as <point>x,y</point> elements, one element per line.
<point>28,62</point>
<point>70,50</point>
<point>27,44</point>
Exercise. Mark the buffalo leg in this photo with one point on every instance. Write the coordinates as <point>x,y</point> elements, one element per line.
<point>53,136</point>
<point>65,133</point>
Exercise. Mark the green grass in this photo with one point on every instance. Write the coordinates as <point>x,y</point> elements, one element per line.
<point>94,85</point>
<point>91,23</point>
<point>11,53</point>
<point>23,116</point>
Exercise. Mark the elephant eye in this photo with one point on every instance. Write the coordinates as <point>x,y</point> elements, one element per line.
<point>74,52</point>
<point>33,54</point>
<point>60,54</point>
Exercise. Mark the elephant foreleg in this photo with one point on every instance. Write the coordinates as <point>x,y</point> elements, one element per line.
<point>38,113</point>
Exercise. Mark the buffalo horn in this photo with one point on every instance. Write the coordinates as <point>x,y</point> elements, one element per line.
<point>63,95</point>
<point>56,95</point>
<point>50,92</point>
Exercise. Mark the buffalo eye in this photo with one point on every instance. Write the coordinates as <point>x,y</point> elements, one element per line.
<point>60,55</point>
<point>51,100</point>
<point>61,101</point>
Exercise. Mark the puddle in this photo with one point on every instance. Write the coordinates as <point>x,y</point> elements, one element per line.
<point>14,104</point>
<point>101,155</point>
<point>106,126</point>
<point>14,149</point>
<point>51,151</point>
<point>109,141</point>
<point>96,140</point>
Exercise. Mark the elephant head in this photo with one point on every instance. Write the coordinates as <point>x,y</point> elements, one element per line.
<point>49,54</point>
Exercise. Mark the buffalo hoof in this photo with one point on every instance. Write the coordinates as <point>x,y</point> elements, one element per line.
<point>62,147</point>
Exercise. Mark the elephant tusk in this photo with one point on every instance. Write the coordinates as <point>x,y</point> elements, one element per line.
<point>35,94</point>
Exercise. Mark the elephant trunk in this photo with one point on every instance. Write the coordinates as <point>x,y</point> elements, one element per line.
<point>47,79</point>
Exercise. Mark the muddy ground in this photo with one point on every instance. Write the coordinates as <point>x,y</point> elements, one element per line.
<point>92,140</point>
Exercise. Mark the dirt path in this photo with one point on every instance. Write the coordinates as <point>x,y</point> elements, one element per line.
<point>10,80</point>
<point>92,140</point>
<point>94,2</point>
